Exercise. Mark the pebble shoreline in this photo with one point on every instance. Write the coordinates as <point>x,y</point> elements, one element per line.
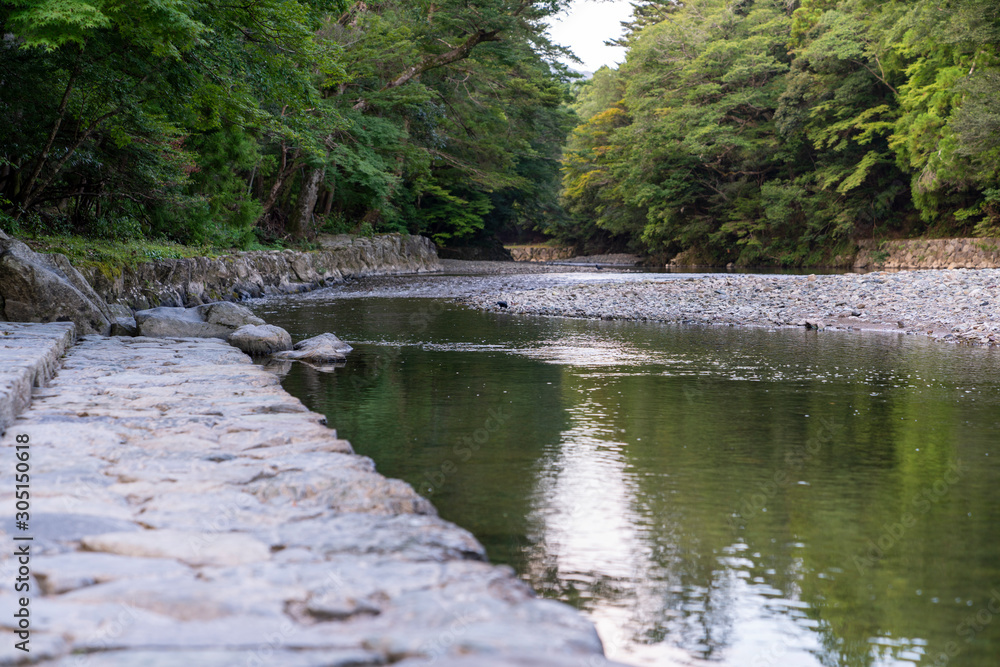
<point>952,305</point>
<point>186,510</point>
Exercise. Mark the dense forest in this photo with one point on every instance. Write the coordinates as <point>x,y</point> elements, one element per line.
<point>228,124</point>
<point>779,131</point>
<point>746,131</point>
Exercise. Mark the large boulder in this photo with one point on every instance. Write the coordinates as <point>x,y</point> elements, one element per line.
<point>228,314</point>
<point>124,326</point>
<point>123,323</point>
<point>178,323</point>
<point>36,287</point>
<point>213,320</point>
<point>323,349</point>
<point>259,340</point>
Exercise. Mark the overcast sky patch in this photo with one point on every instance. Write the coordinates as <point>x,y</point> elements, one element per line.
<point>586,26</point>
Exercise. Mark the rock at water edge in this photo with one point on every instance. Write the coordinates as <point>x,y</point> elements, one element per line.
<point>228,314</point>
<point>178,323</point>
<point>261,340</point>
<point>323,349</point>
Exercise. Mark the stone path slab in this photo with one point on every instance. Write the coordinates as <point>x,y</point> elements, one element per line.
<point>29,355</point>
<point>187,511</point>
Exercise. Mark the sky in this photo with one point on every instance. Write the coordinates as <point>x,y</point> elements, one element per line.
<point>585,27</point>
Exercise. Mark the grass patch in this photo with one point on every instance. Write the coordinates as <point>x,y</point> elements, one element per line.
<point>111,257</point>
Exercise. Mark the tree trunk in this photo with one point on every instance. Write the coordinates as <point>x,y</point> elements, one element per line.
<point>301,218</point>
<point>328,200</point>
<point>288,167</point>
<point>29,188</point>
<point>33,193</point>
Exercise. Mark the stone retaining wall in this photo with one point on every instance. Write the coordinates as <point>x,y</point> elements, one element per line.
<point>929,254</point>
<point>539,253</point>
<point>193,281</point>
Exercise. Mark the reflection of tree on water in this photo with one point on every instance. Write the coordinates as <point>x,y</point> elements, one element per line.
<point>681,566</point>
<point>683,497</point>
<point>665,591</point>
<point>671,588</point>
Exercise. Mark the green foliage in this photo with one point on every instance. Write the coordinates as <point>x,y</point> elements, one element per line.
<point>447,215</point>
<point>776,132</point>
<point>225,124</point>
<point>112,254</point>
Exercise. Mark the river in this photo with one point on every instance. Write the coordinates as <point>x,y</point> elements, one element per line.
<point>722,496</point>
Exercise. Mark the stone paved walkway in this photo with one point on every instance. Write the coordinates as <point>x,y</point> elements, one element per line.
<point>185,510</point>
<point>29,355</point>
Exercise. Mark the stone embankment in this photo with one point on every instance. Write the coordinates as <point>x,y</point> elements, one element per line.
<point>40,287</point>
<point>958,305</point>
<point>566,255</point>
<point>539,253</point>
<point>929,254</point>
<point>185,510</point>
<point>193,281</point>
<point>967,253</point>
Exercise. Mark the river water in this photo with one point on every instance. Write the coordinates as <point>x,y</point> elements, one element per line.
<point>732,497</point>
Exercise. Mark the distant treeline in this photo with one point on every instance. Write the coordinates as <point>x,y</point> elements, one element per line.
<point>777,131</point>
<point>227,123</point>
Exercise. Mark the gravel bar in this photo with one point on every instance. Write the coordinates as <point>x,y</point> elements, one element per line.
<point>952,305</point>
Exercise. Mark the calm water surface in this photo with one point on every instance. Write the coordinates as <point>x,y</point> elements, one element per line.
<point>708,496</point>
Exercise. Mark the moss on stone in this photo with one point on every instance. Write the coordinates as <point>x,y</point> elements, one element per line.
<point>112,257</point>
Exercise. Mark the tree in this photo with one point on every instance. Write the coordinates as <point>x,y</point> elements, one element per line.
<point>780,132</point>
<point>474,103</point>
<point>103,96</point>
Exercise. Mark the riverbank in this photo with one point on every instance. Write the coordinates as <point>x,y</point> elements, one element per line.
<point>194,281</point>
<point>186,510</point>
<point>951,305</point>
<point>44,287</point>
<point>867,254</point>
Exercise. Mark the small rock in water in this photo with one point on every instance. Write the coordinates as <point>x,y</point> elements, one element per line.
<point>323,349</point>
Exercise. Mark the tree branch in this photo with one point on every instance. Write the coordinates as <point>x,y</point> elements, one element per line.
<point>33,196</point>
<point>460,52</point>
<point>43,158</point>
<point>876,75</point>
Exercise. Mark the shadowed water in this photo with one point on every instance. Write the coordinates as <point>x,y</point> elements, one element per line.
<point>723,496</point>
